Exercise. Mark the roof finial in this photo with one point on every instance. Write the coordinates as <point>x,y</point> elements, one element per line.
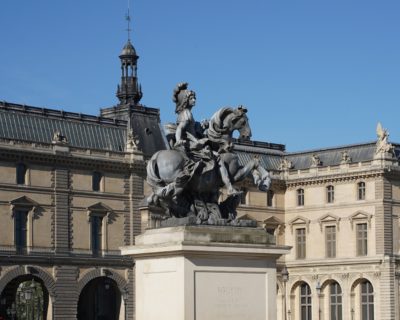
<point>128,19</point>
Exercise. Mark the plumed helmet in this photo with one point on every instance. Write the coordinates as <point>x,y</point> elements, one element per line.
<point>181,96</point>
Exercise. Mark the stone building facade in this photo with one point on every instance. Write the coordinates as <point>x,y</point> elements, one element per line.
<point>72,192</point>
<point>70,189</point>
<point>338,208</point>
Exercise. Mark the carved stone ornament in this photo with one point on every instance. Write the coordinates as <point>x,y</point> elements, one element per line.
<point>285,164</point>
<point>132,142</point>
<point>382,145</point>
<point>58,138</point>
<point>315,161</point>
<point>345,158</point>
<point>186,180</point>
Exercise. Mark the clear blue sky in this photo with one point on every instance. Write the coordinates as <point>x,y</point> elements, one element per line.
<point>312,73</point>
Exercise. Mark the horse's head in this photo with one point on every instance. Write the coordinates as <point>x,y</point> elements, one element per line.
<point>240,122</point>
<point>227,120</point>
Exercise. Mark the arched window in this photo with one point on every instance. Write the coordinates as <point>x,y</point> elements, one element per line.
<point>330,194</point>
<point>335,301</point>
<point>367,300</point>
<point>361,190</point>
<point>305,302</point>
<point>300,197</point>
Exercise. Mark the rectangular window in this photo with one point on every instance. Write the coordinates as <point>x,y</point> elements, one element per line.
<point>21,173</point>
<point>362,239</point>
<point>300,197</point>
<point>330,194</point>
<point>305,302</point>
<point>20,230</point>
<point>243,196</point>
<point>336,301</point>
<point>270,197</point>
<point>361,190</point>
<point>301,243</point>
<point>96,234</point>
<point>330,240</point>
<point>96,181</point>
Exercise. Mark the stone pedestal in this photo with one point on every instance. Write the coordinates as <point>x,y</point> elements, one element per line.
<point>205,273</point>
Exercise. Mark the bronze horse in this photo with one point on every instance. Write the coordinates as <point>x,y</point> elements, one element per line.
<point>178,180</point>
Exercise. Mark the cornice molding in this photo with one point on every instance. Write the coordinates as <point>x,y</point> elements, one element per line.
<point>124,162</point>
<point>335,178</point>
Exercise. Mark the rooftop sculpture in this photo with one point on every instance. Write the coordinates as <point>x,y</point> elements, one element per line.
<point>187,179</point>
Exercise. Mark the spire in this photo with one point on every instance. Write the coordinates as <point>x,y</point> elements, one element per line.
<point>129,91</point>
<point>128,19</point>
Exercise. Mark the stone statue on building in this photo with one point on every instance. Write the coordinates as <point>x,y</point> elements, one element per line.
<point>187,179</point>
<point>315,161</point>
<point>346,159</point>
<point>59,138</point>
<point>382,144</point>
<point>285,164</point>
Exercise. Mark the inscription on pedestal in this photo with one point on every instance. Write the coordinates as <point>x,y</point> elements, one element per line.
<point>230,295</point>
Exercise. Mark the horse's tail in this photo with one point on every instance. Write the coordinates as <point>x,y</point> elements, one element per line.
<point>153,177</point>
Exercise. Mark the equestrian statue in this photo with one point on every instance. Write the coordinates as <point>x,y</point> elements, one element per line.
<point>187,178</point>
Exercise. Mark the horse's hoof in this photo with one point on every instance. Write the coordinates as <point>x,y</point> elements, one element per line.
<point>234,192</point>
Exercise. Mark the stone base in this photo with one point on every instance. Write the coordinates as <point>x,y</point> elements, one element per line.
<point>205,273</point>
<point>193,221</point>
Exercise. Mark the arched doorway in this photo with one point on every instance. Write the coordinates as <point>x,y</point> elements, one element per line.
<point>100,299</point>
<point>25,298</point>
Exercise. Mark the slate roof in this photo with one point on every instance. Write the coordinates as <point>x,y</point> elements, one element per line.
<point>271,156</point>
<point>27,123</point>
<point>32,124</point>
<point>333,156</point>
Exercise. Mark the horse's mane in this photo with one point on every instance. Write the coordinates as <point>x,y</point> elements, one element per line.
<point>217,126</point>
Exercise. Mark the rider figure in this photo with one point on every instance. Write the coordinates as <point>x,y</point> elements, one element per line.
<point>188,130</point>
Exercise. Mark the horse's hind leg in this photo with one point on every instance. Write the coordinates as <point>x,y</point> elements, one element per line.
<point>244,171</point>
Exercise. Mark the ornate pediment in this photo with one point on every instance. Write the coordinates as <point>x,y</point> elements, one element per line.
<point>299,221</point>
<point>26,204</point>
<point>24,201</point>
<point>273,221</point>
<point>100,209</point>
<point>329,219</point>
<point>360,216</point>
<point>246,217</point>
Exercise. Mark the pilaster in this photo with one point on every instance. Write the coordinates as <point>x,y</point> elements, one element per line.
<point>387,292</point>
<point>383,217</point>
<point>62,214</point>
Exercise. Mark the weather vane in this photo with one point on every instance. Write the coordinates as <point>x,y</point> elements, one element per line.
<point>128,19</point>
